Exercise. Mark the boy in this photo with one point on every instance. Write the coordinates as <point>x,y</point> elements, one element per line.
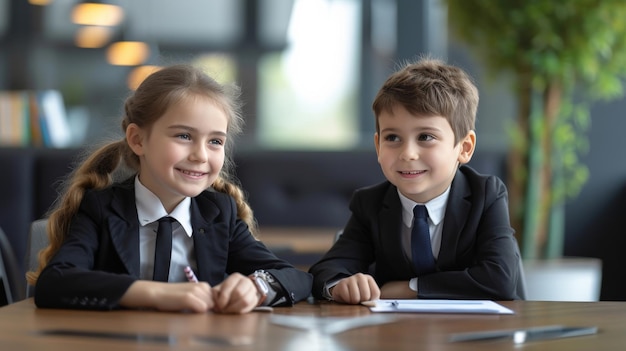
<point>425,115</point>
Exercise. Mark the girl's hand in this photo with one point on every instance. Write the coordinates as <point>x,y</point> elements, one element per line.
<point>356,289</point>
<point>236,294</point>
<point>195,297</point>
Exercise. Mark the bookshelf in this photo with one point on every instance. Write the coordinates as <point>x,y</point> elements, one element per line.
<point>33,118</point>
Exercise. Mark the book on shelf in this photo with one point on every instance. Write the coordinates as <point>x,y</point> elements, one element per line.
<point>33,118</point>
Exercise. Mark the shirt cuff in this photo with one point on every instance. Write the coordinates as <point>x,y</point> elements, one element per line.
<point>413,284</point>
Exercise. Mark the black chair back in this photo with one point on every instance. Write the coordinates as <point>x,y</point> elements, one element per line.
<point>11,277</point>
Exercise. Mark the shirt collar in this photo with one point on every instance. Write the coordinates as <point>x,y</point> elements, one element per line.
<point>436,208</point>
<point>150,208</point>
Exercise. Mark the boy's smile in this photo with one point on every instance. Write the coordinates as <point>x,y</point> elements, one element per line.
<point>417,153</point>
<point>410,174</point>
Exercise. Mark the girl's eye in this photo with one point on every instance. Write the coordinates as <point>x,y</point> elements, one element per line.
<point>184,136</point>
<point>216,142</point>
<point>392,137</point>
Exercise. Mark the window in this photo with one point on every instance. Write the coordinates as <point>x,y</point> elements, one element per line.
<point>308,93</point>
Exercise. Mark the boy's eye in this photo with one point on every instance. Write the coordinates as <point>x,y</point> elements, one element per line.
<point>425,137</point>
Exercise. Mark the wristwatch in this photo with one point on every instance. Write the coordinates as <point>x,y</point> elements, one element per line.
<point>260,279</point>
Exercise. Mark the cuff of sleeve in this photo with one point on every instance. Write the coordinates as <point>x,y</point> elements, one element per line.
<point>326,292</point>
<point>413,284</point>
<point>274,289</point>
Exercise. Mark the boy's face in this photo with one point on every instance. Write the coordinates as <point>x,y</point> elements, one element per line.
<point>417,153</point>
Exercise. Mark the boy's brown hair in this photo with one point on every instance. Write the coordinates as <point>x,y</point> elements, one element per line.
<point>430,87</point>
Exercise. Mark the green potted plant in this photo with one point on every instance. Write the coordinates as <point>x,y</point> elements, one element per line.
<point>562,56</point>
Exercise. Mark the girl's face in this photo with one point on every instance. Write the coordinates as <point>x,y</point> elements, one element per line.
<point>417,154</point>
<point>183,153</point>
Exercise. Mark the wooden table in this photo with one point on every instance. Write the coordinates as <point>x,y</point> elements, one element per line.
<point>300,246</point>
<point>300,240</point>
<point>24,327</point>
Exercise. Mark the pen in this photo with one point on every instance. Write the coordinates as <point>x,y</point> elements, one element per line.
<point>373,303</point>
<point>191,276</point>
<point>520,336</point>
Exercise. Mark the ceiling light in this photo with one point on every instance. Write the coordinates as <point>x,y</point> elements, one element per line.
<point>139,74</point>
<point>39,2</point>
<point>128,53</point>
<point>97,14</point>
<point>92,36</point>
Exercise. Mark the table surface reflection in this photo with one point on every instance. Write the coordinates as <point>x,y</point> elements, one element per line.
<point>24,327</point>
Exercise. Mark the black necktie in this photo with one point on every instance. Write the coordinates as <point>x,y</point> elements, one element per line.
<point>420,242</point>
<point>163,249</point>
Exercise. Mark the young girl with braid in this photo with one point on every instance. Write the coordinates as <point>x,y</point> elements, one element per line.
<point>178,125</point>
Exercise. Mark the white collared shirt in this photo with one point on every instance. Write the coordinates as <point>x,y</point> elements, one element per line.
<point>149,211</point>
<point>436,209</point>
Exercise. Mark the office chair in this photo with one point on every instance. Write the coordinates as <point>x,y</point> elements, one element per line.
<point>521,276</point>
<point>11,278</point>
<point>521,289</point>
<point>37,240</point>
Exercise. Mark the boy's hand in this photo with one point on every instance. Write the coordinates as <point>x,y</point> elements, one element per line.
<point>356,289</point>
<point>236,294</point>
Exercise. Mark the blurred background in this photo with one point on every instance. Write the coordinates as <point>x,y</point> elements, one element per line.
<point>309,70</point>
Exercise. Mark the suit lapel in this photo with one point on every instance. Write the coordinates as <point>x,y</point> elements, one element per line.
<point>457,210</point>
<point>390,230</point>
<point>124,226</point>
<point>210,246</point>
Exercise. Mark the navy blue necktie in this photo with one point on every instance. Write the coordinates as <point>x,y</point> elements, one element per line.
<point>420,242</point>
<point>163,250</point>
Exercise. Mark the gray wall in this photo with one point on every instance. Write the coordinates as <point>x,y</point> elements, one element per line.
<point>595,220</point>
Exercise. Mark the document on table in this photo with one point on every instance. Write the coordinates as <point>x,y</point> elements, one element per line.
<point>438,306</point>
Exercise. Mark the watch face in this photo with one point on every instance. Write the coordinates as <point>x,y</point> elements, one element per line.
<point>262,285</point>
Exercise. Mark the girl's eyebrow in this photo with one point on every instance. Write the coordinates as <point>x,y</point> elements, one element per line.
<point>192,129</point>
<point>182,126</point>
<point>389,130</point>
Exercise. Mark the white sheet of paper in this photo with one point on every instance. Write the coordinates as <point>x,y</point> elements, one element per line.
<point>438,306</point>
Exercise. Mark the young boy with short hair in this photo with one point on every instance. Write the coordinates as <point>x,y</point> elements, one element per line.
<point>425,116</point>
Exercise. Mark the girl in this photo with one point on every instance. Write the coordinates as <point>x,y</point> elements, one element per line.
<point>178,125</point>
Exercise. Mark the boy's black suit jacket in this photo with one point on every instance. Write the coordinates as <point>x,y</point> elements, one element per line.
<point>478,258</point>
<point>99,259</point>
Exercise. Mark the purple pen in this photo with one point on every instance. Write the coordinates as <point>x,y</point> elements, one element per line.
<point>191,276</point>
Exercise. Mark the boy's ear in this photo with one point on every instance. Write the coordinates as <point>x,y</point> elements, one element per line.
<point>468,145</point>
<point>135,138</point>
<point>376,144</point>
